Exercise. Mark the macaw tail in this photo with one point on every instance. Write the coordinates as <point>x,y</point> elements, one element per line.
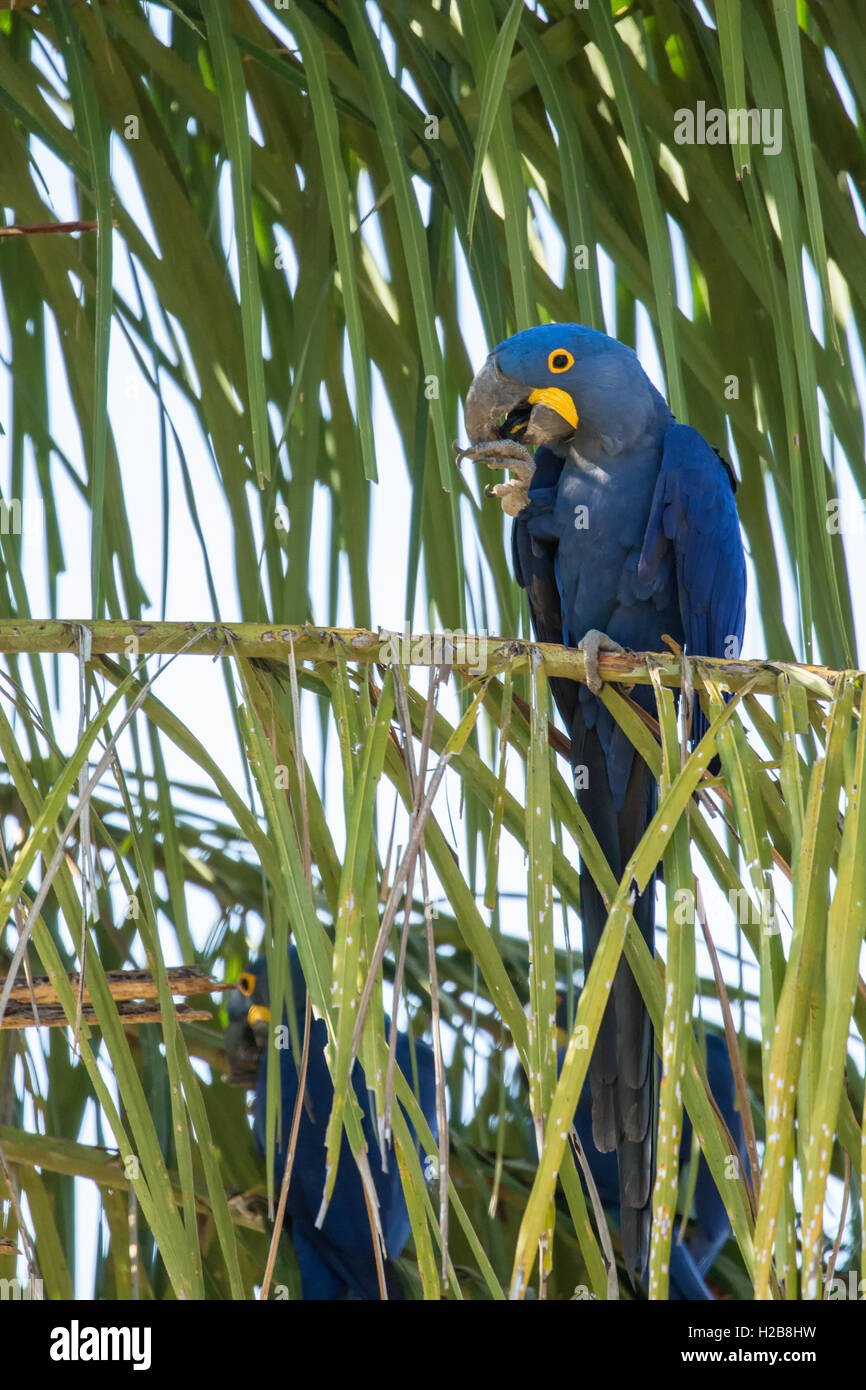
<point>621,1070</point>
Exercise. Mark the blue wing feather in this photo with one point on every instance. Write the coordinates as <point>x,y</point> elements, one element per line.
<point>694,516</point>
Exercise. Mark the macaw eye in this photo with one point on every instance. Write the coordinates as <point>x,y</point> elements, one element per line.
<point>560,360</point>
<point>247,983</point>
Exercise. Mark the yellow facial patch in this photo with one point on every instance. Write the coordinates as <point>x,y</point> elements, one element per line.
<point>556,399</point>
<point>247,983</point>
<point>258,1014</point>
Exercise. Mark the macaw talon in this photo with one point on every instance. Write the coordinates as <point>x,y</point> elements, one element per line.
<point>496,453</point>
<point>513,496</point>
<point>591,643</point>
<point>508,454</point>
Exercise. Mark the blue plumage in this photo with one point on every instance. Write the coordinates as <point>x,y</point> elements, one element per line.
<point>708,1228</point>
<point>336,1261</point>
<point>693,522</point>
<point>625,530</point>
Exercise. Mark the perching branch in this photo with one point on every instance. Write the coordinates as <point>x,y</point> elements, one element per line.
<point>472,654</point>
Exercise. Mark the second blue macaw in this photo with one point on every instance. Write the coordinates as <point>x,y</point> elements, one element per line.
<point>625,529</point>
<point>336,1260</point>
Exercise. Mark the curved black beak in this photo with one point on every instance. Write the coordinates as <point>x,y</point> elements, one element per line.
<point>244,1045</point>
<point>492,396</point>
<point>498,407</point>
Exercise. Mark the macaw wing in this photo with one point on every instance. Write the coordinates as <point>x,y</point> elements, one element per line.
<point>694,513</point>
<point>339,1255</point>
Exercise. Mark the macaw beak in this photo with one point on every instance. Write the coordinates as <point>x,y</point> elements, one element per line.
<point>242,1054</point>
<point>533,415</point>
<point>245,1041</point>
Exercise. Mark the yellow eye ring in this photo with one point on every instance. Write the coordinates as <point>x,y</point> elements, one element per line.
<point>247,983</point>
<point>560,360</point>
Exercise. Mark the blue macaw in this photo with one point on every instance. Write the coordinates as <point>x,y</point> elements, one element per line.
<point>336,1261</point>
<point>708,1227</point>
<point>625,529</point>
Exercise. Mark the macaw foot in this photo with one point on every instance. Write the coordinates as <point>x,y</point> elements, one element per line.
<point>591,643</point>
<point>509,454</point>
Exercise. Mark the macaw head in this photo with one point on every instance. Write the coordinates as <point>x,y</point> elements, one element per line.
<point>247,1033</point>
<point>250,1014</point>
<point>545,384</point>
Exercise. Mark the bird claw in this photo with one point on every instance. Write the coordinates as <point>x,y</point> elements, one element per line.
<point>509,454</point>
<point>496,453</point>
<point>513,497</point>
<point>591,643</point>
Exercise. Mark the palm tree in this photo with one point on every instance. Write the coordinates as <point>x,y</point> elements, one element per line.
<point>231,418</point>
